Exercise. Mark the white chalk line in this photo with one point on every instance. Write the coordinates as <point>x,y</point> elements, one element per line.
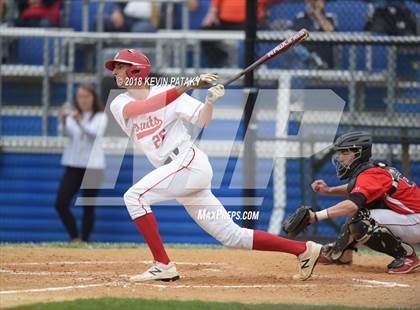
<point>71,263</point>
<point>366,283</point>
<point>106,262</point>
<point>54,289</point>
<point>212,270</point>
<point>65,273</point>
<point>51,273</point>
<point>79,279</point>
<point>369,283</point>
<point>228,286</point>
<point>374,283</point>
<point>362,283</point>
<point>359,282</point>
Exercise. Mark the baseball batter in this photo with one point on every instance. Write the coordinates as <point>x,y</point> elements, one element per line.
<point>154,116</point>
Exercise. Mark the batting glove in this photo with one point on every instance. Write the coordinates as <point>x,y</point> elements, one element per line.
<point>203,80</point>
<point>215,93</point>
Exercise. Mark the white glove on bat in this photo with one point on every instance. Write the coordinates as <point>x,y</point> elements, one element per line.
<point>203,80</point>
<point>215,93</point>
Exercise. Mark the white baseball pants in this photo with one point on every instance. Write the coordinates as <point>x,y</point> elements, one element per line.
<point>407,227</point>
<point>188,180</point>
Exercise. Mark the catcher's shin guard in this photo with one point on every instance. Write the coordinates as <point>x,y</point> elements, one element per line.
<point>364,230</point>
<point>345,258</point>
<point>344,241</point>
<point>384,241</point>
<point>350,236</point>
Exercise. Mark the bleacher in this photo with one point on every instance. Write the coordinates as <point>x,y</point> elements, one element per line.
<point>29,178</point>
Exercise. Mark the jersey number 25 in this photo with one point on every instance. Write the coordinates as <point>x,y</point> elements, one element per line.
<point>158,138</point>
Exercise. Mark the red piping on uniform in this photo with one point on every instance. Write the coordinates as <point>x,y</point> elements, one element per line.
<point>182,168</point>
<point>142,206</point>
<point>382,224</point>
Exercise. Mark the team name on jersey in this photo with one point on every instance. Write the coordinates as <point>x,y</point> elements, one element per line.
<point>144,129</point>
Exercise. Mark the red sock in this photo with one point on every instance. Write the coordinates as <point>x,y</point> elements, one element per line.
<point>264,241</point>
<point>147,226</point>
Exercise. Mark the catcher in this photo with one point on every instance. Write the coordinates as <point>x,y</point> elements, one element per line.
<point>383,207</point>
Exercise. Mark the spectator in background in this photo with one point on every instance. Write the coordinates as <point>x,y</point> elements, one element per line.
<point>318,55</point>
<point>38,13</point>
<point>393,19</point>
<point>225,15</point>
<point>192,5</point>
<point>174,10</point>
<point>133,16</point>
<point>83,125</point>
<point>8,14</point>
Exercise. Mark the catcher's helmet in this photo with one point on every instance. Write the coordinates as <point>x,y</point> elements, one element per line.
<point>140,64</point>
<point>360,143</point>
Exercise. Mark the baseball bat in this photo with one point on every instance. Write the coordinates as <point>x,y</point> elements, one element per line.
<point>300,36</point>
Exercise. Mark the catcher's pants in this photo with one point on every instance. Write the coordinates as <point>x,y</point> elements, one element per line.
<point>407,227</point>
<point>188,180</point>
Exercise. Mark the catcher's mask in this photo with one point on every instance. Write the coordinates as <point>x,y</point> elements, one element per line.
<point>140,64</point>
<point>360,144</point>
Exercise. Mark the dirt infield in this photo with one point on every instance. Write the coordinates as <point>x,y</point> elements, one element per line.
<point>29,275</point>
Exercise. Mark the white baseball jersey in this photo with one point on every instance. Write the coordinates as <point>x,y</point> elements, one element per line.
<point>158,133</point>
<point>187,178</point>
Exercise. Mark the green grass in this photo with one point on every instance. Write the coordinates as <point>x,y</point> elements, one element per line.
<point>153,304</point>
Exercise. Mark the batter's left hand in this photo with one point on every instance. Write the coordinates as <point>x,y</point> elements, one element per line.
<point>203,80</point>
<point>215,93</point>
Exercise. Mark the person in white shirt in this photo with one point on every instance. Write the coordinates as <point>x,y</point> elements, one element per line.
<point>154,118</point>
<point>133,16</point>
<point>82,154</point>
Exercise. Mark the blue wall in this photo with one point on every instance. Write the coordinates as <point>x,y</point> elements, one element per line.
<point>28,186</point>
<point>29,182</point>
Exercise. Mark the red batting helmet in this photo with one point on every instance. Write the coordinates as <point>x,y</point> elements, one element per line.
<point>140,63</point>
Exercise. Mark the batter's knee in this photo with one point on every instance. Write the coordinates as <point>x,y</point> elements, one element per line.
<point>237,238</point>
<point>136,205</point>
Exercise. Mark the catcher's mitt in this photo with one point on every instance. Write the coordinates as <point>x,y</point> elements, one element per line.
<point>297,221</point>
